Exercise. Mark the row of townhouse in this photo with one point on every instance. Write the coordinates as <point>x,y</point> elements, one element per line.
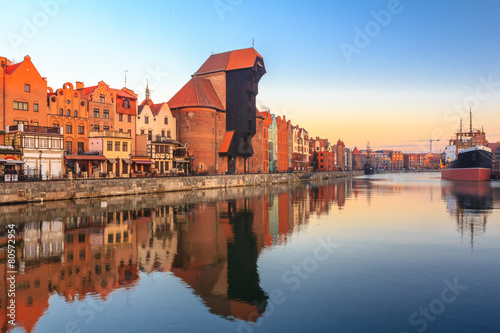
<point>210,126</point>
<point>94,130</point>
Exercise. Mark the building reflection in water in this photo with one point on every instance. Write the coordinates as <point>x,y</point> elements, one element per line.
<point>91,248</point>
<point>470,203</point>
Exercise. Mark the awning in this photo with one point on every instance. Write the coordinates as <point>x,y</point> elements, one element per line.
<point>2,160</point>
<point>13,162</point>
<point>127,160</point>
<point>181,161</point>
<point>85,157</point>
<point>112,160</point>
<point>143,162</point>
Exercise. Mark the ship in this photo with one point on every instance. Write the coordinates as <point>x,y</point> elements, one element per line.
<point>467,157</point>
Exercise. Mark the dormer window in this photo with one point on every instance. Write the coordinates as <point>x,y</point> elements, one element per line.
<point>126,103</point>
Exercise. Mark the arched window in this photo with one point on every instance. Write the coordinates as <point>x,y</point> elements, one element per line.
<point>76,113</point>
<point>68,112</point>
<point>61,111</point>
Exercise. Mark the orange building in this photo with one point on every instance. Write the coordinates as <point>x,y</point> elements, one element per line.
<point>397,160</point>
<point>256,161</point>
<point>356,159</point>
<point>66,109</point>
<point>282,144</point>
<point>101,105</point>
<point>340,155</point>
<point>23,95</point>
<point>265,140</point>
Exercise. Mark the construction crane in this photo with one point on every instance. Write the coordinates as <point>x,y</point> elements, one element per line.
<point>430,144</point>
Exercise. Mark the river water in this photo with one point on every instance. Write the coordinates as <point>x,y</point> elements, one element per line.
<point>382,253</point>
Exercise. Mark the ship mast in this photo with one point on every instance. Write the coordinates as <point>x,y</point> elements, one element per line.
<point>470,112</point>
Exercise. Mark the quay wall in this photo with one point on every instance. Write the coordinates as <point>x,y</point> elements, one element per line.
<point>26,192</point>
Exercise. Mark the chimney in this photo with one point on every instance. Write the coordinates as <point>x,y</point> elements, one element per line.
<point>79,85</point>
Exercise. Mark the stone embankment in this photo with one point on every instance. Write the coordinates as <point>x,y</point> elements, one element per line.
<point>11,193</point>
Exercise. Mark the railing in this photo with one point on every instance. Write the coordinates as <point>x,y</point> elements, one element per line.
<point>109,134</point>
<point>34,129</point>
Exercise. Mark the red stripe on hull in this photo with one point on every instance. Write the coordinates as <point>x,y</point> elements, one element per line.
<point>476,174</point>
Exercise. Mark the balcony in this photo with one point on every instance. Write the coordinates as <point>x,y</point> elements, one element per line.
<point>34,129</point>
<point>109,134</point>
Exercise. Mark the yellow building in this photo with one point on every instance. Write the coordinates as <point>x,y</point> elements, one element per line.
<point>116,147</point>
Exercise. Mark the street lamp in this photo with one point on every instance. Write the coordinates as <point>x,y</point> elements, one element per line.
<point>40,164</point>
<point>130,166</point>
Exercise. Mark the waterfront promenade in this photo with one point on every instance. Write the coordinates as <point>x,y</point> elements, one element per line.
<point>25,192</point>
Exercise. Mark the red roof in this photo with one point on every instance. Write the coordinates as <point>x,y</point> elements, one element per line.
<point>157,108</point>
<point>356,151</point>
<point>226,142</point>
<point>123,93</point>
<point>258,114</point>
<point>198,92</point>
<point>12,68</point>
<point>237,59</point>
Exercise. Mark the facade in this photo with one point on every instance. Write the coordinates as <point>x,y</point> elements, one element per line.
<point>223,90</point>
<point>340,158</point>
<point>273,144</point>
<point>116,148</point>
<point>11,164</point>
<point>67,110</point>
<point>356,160</point>
<point>257,160</point>
<point>126,112</point>
<point>41,149</point>
<point>348,159</point>
<point>101,105</point>
<point>23,95</point>
<point>282,143</point>
<point>397,160</point>
<point>289,129</point>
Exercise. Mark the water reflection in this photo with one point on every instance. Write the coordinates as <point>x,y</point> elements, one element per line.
<point>470,203</point>
<point>211,240</point>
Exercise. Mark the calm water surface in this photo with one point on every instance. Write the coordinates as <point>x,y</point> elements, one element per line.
<point>384,253</point>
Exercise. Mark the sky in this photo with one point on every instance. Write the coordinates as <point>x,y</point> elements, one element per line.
<point>393,73</point>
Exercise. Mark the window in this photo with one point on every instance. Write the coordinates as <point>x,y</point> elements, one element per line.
<point>120,117</point>
<point>105,114</point>
<point>146,120</point>
<point>110,145</point>
<point>69,129</point>
<point>125,146</point>
<point>150,135</point>
<point>68,112</point>
<point>75,113</point>
<point>56,144</point>
<point>165,121</point>
<point>29,142</point>
<point>43,143</point>
<point>96,113</point>
<point>81,146</point>
<point>96,127</point>
<point>35,123</point>
<point>129,118</point>
<point>142,132</point>
<point>117,145</point>
<point>20,106</point>
<point>27,88</point>
<point>35,107</point>
<point>102,98</point>
<point>169,136</point>
<point>68,146</point>
<point>129,131</point>
<point>81,130</point>
<point>55,125</point>
<point>105,128</point>
<point>126,103</point>
<point>162,132</point>
<point>120,130</point>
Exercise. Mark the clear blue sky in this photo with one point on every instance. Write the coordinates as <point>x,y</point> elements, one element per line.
<point>398,86</point>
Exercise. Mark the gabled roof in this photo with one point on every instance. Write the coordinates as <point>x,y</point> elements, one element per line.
<point>157,108</point>
<point>258,114</point>
<point>227,61</point>
<point>356,151</point>
<point>198,92</point>
<point>123,93</point>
